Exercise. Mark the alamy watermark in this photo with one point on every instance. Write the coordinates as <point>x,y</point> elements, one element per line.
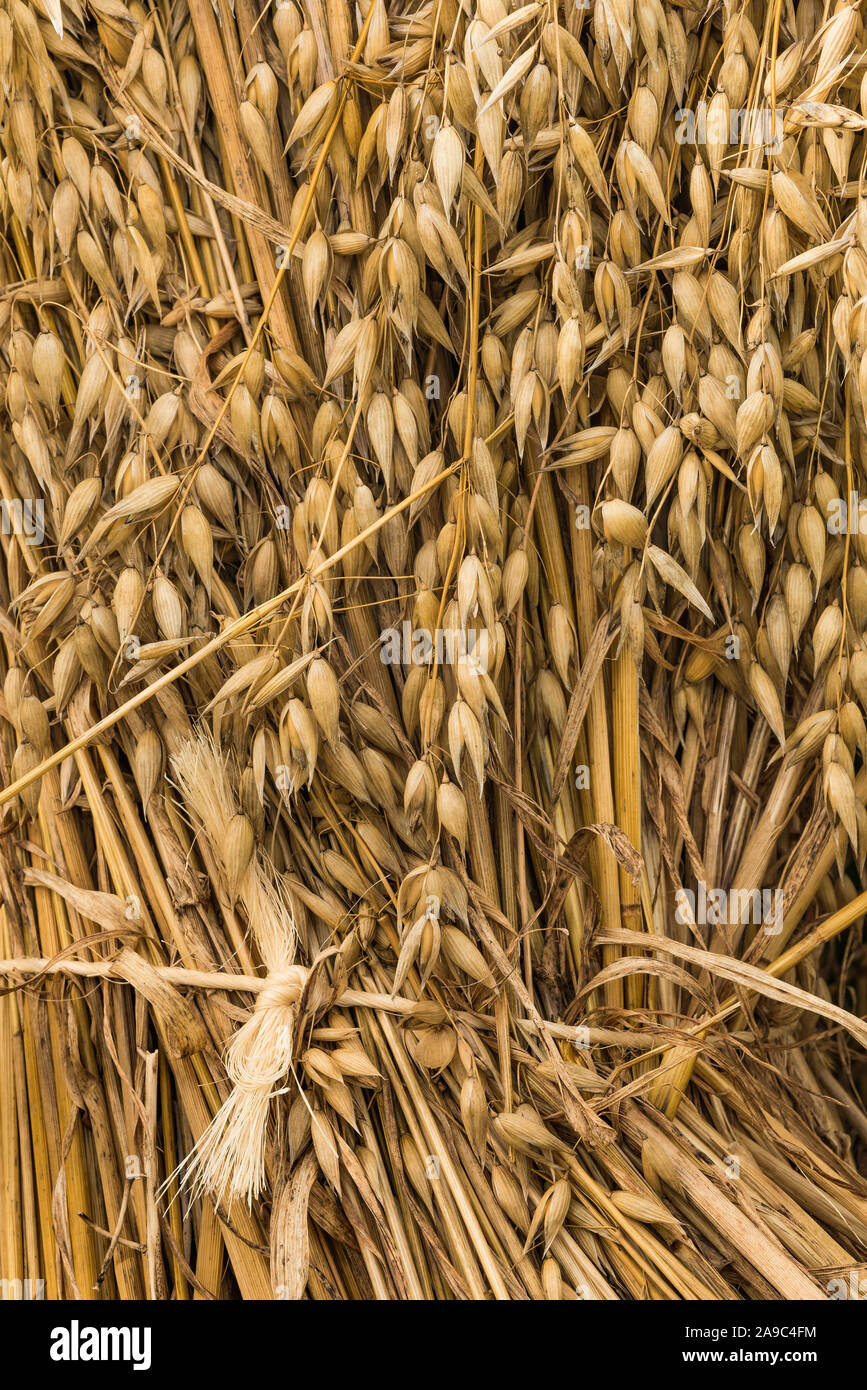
<point>77,1343</point>
<point>416,646</point>
<point>847,516</point>
<point>852,1288</point>
<point>20,1290</point>
<point>713,907</point>
<point>746,125</point>
<point>23,516</point>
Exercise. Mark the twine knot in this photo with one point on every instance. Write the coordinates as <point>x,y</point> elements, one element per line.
<point>282,988</point>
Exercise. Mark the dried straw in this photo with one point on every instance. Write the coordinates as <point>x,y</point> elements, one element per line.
<point>535,332</point>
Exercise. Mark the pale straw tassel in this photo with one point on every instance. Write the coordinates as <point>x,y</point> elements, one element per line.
<point>229,1158</point>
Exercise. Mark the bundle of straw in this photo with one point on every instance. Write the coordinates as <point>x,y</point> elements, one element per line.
<point>230,1158</point>
<point>434,649</point>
